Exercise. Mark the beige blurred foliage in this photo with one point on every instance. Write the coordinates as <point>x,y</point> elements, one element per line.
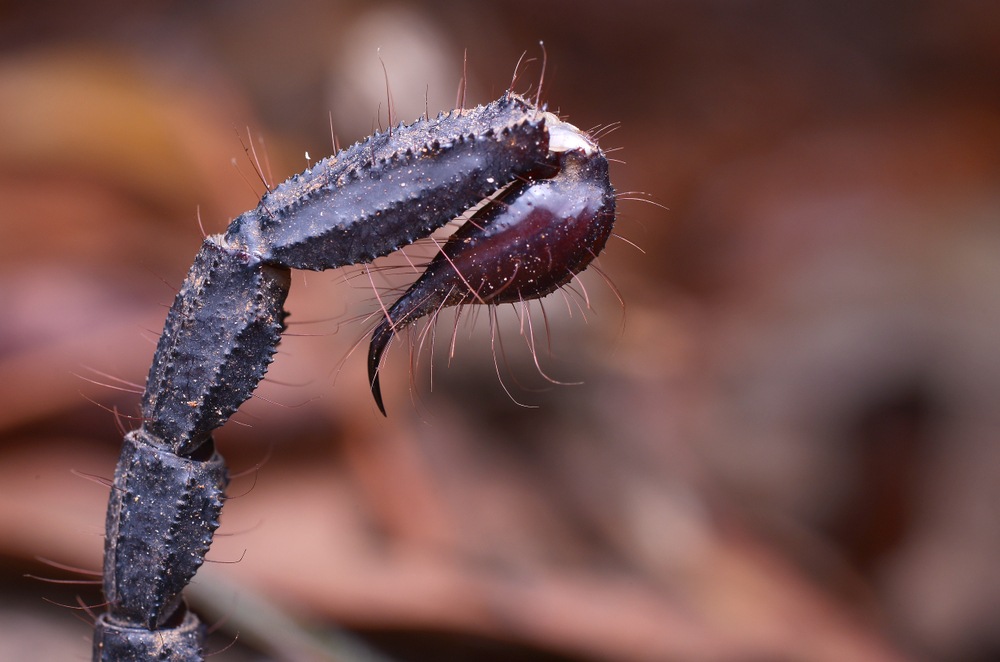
<point>785,446</point>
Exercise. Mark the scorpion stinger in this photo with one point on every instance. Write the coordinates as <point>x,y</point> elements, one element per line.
<point>552,217</point>
<point>523,244</point>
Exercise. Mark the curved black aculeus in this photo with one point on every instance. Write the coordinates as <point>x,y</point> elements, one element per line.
<point>524,244</point>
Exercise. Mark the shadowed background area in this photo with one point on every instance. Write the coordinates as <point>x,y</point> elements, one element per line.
<point>784,446</point>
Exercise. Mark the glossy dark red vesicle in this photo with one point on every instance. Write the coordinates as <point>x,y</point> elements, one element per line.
<point>524,244</point>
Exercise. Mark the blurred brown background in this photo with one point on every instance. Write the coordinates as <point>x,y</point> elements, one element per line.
<point>784,448</point>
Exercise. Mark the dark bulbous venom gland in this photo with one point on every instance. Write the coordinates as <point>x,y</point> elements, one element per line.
<point>524,244</point>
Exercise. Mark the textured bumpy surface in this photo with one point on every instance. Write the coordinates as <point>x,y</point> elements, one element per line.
<point>219,337</point>
<point>163,512</point>
<point>117,642</point>
<point>553,214</point>
<point>395,187</point>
